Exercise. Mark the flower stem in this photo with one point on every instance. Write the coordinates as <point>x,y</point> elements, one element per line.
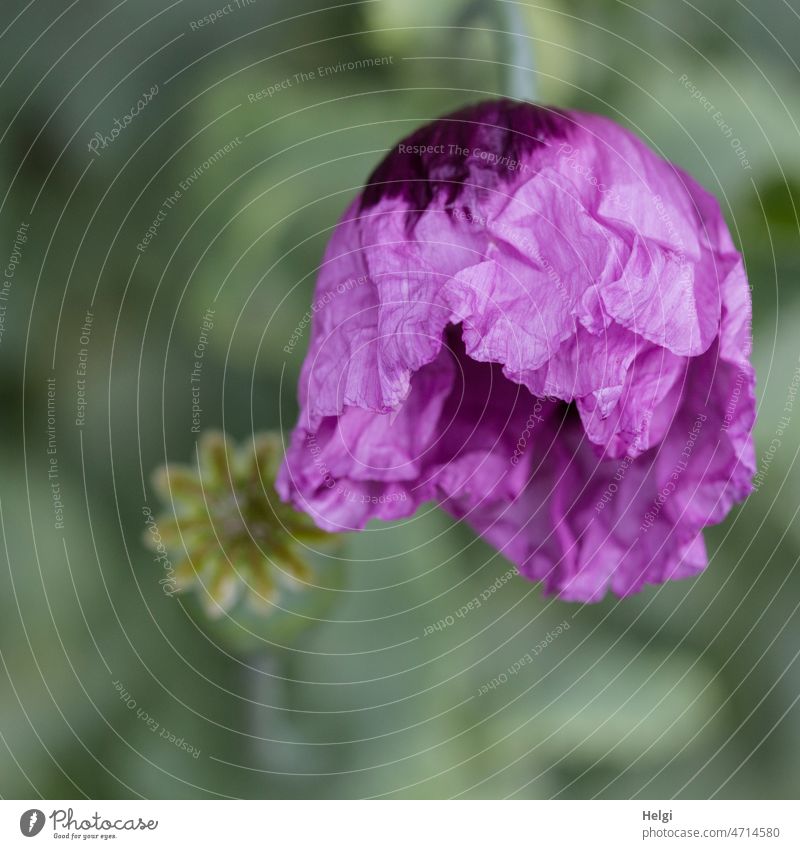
<point>266,688</point>
<point>517,55</point>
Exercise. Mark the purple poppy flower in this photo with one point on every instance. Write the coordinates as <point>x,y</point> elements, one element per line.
<point>532,319</point>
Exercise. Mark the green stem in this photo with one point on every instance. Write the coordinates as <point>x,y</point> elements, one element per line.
<point>516,52</point>
<point>266,688</point>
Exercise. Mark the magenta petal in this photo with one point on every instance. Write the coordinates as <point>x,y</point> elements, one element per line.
<point>533,320</point>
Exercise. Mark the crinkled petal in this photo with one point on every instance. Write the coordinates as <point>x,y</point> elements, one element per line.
<point>533,320</point>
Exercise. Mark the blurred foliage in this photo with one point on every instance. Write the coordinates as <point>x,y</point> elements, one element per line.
<point>685,690</point>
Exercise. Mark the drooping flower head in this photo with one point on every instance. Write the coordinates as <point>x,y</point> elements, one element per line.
<point>531,318</point>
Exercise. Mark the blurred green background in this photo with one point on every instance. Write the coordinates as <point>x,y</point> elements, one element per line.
<point>687,690</point>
